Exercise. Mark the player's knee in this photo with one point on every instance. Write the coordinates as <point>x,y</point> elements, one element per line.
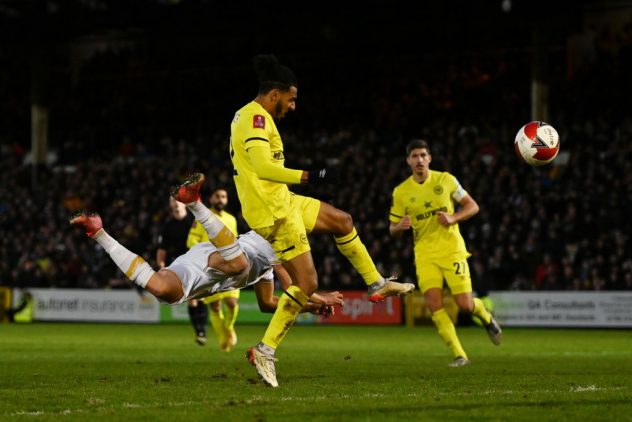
<point>465,305</point>
<point>312,284</point>
<point>344,223</point>
<point>466,308</point>
<point>434,303</point>
<point>267,307</point>
<point>308,283</point>
<point>237,265</point>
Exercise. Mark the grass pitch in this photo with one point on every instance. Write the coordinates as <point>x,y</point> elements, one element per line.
<point>141,372</point>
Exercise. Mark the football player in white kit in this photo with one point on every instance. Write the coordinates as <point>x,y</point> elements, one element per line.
<point>225,263</point>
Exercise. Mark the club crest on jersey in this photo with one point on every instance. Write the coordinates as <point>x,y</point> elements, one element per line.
<point>258,121</point>
<point>438,189</point>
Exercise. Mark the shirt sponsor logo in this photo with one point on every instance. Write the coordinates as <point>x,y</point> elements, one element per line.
<point>428,214</point>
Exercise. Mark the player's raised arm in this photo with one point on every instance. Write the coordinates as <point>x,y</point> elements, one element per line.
<point>266,169</point>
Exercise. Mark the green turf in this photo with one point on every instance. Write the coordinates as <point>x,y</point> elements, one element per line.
<point>140,372</point>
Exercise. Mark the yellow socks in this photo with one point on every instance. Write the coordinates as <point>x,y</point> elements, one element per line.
<point>230,317</point>
<point>447,332</point>
<point>217,321</point>
<point>289,306</point>
<point>352,247</point>
<point>480,311</point>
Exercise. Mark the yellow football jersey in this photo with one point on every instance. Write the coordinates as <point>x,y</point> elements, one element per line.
<point>197,233</point>
<point>422,202</point>
<point>262,201</point>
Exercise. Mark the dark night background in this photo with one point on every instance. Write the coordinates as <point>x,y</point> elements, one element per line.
<point>139,93</point>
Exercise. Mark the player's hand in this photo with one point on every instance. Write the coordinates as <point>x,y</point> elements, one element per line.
<point>405,223</point>
<point>445,219</point>
<point>324,176</point>
<point>327,311</point>
<point>331,298</point>
<point>323,310</point>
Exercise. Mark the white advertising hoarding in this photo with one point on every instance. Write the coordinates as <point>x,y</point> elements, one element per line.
<point>93,305</point>
<point>563,309</point>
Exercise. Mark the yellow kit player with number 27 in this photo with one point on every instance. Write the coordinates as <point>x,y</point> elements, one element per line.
<point>283,218</point>
<point>425,203</point>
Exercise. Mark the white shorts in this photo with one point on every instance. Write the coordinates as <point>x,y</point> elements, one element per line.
<point>199,280</point>
<point>191,268</point>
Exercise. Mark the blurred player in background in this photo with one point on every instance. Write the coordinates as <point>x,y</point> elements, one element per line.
<point>285,219</point>
<point>22,311</point>
<point>223,264</point>
<point>222,320</point>
<point>425,203</point>
<point>172,241</point>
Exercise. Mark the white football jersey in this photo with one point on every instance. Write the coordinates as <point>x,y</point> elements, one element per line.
<point>199,280</point>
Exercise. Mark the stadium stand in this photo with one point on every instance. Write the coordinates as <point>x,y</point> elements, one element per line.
<point>132,119</point>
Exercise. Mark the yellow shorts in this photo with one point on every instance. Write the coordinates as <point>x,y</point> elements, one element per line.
<point>310,208</point>
<point>455,271</point>
<point>287,236</point>
<point>223,295</point>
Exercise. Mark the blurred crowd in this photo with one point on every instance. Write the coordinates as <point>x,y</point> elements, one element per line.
<point>122,135</point>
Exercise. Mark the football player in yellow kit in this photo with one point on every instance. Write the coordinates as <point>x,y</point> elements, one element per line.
<point>424,202</point>
<point>283,218</point>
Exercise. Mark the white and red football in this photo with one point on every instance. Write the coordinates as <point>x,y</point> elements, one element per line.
<point>537,143</point>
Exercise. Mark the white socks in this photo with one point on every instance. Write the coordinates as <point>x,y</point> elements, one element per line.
<point>134,267</point>
<point>223,239</point>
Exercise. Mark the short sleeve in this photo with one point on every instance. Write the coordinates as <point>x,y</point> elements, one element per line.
<point>456,190</point>
<point>397,208</point>
<point>257,131</point>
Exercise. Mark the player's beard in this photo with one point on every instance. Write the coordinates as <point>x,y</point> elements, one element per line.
<point>278,111</point>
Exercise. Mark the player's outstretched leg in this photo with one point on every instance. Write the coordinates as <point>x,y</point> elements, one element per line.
<point>164,285</point>
<point>91,224</point>
<point>384,288</point>
<point>189,191</point>
<point>189,194</point>
<point>132,265</point>
<point>339,223</point>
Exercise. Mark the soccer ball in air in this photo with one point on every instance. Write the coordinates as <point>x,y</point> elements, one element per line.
<point>537,143</point>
